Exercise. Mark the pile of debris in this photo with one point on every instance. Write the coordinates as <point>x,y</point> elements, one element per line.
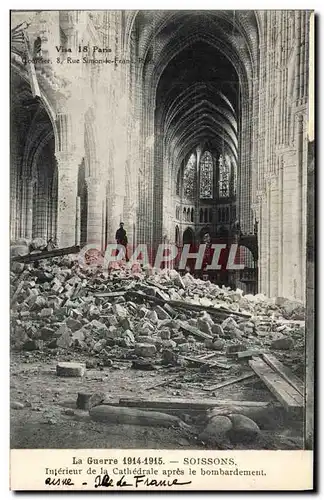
<point>144,314</point>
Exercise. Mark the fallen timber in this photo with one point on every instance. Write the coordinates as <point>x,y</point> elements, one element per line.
<point>57,252</point>
<point>215,311</point>
<point>188,404</point>
<point>280,387</point>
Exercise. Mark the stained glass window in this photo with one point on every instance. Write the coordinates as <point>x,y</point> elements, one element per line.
<point>206,176</point>
<point>224,176</point>
<point>189,176</point>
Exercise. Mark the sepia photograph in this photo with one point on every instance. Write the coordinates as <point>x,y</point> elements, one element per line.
<point>162,225</point>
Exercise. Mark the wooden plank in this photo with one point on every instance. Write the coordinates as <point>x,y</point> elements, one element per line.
<point>285,372</point>
<point>284,392</point>
<point>120,293</point>
<point>229,382</point>
<point>247,354</point>
<point>190,404</point>
<point>58,252</point>
<point>200,361</point>
<point>214,311</point>
<point>194,331</point>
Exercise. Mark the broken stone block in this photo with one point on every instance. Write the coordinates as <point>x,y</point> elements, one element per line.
<point>283,343</point>
<point>218,344</point>
<point>169,357</point>
<point>216,430</point>
<point>142,364</point>
<point>185,347</point>
<point>215,344</point>
<point>143,311</point>
<point>110,320</point>
<point>65,340</point>
<point>127,324</point>
<point>152,317</point>
<point>70,369</point>
<point>33,345</point>
<point>145,350</point>
<point>229,324</point>
<point>217,330</point>
<point>46,333</point>
<point>244,429</point>
<point>98,326</point>
<point>204,326</point>
<point>61,330</point>
<point>161,313</point>
<point>169,344</point>
<point>46,312</point>
<point>127,339</point>
<point>73,324</point>
<point>119,311</point>
<point>112,332</point>
<point>99,345</point>
<point>17,267</point>
<point>79,336</point>
<point>165,334</point>
<point>232,349</point>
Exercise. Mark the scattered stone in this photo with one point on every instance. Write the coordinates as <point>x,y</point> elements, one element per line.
<point>70,370</point>
<point>244,429</point>
<point>46,333</point>
<point>161,313</point>
<point>119,311</point>
<point>46,312</point>
<point>65,340</point>
<point>33,345</point>
<point>141,364</point>
<point>145,350</point>
<point>283,343</point>
<point>165,334</point>
<point>73,324</point>
<point>169,357</point>
<point>216,430</point>
<point>152,317</point>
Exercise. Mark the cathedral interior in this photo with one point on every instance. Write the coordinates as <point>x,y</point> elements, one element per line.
<point>178,123</point>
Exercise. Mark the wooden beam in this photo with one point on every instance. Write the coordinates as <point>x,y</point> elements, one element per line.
<point>200,361</point>
<point>188,404</point>
<point>57,252</point>
<point>285,372</point>
<point>284,392</point>
<point>229,382</point>
<point>194,331</point>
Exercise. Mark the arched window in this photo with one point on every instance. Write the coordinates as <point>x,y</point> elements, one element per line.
<point>201,215</point>
<point>224,176</point>
<point>189,176</point>
<point>178,182</point>
<point>188,214</point>
<point>192,215</point>
<point>206,176</point>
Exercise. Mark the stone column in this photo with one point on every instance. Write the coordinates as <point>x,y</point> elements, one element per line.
<point>95,197</point>
<point>67,195</point>
<point>29,209</point>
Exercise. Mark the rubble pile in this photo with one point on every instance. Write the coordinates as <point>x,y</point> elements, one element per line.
<point>141,314</point>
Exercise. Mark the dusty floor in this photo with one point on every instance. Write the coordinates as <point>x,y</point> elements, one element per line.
<point>49,418</point>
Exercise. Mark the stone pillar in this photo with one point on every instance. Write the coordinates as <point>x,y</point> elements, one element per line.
<point>78,221</point>
<point>29,209</point>
<point>95,197</point>
<point>67,195</point>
